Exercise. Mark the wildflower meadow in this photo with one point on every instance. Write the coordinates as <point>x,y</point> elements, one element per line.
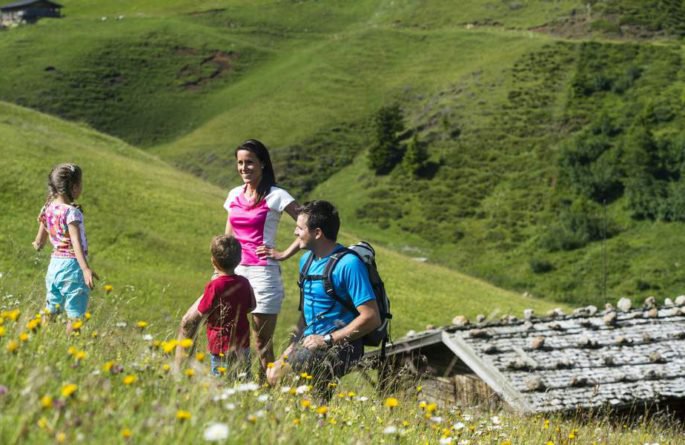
<point>113,380</point>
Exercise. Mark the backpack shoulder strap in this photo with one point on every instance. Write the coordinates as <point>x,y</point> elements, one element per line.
<point>328,279</point>
<point>303,275</point>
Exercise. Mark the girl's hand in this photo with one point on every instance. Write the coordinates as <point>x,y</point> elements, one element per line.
<point>90,276</point>
<point>37,245</point>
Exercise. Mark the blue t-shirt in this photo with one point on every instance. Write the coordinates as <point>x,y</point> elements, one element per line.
<point>322,314</point>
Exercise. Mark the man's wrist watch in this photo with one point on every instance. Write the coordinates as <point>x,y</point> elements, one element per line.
<point>328,339</point>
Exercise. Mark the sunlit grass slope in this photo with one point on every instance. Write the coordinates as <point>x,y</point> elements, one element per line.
<point>113,384</point>
<point>149,227</point>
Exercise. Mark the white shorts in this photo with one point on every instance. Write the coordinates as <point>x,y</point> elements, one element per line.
<point>267,285</point>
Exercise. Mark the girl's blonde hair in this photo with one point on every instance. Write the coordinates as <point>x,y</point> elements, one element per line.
<point>61,182</point>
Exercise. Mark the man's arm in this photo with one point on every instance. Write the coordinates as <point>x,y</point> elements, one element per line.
<point>367,320</point>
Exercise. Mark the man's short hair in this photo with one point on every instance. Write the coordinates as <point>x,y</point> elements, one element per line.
<point>322,215</point>
<point>226,251</point>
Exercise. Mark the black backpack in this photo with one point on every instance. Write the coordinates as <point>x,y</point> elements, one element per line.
<point>363,250</point>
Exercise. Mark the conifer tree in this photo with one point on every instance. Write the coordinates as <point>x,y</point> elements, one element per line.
<point>387,151</point>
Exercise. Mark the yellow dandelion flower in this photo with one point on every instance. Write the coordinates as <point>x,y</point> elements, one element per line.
<point>186,343</point>
<point>69,389</point>
<point>94,334</point>
<point>42,423</point>
<point>33,325</point>
<point>405,423</point>
<point>332,421</point>
<point>183,415</point>
<point>108,288</point>
<point>61,437</point>
<point>126,433</point>
<point>546,425</point>
<point>77,325</point>
<point>72,350</point>
<point>423,404</point>
<point>391,402</point>
<point>292,391</point>
<point>80,355</point>
<point>351,394</point>
<point>305,403</point>
<point>189,372</point>
<point>142,324</point>
<point>12,346</point>
<point>419,388</point>
<point>506,442</point>
<point>431,407</point>
<point>572,435</point>
<point>270,365</point>
<point>24,337</point>
<point>87,316</point>
<point>342,395</point>
<point>166,367</point>
<point>2,331</point>
<point>332,385</point>
<point>107,367</point>
<point>46,401</point>
<point>169,346</point>
<point>221,370</point>
<point>322,410</point>
<point>304,375</point>
<point>296,422</point>
<point>12,315</point>
<point>200,356</point>
<point>130,379</point>
<point>549,443</point>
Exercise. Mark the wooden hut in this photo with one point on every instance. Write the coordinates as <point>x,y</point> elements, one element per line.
<point>618,358</point>
<point>28,11</point>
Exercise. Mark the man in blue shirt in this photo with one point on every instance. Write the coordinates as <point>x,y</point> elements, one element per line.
<point>329,336</point>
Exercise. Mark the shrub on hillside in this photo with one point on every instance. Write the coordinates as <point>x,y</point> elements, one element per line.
<point>386,150</point>
<point>578,224</point>
<point>415,157</point>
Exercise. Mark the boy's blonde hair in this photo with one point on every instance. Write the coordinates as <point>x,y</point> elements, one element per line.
<point>226,252</point>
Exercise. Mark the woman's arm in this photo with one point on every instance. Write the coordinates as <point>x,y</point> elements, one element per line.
<point>75,235</point>
<point>229,228</point>
<point>269,252</point>
<point>41,236</point>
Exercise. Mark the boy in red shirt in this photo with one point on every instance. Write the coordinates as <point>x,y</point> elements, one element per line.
<point>225,303</point>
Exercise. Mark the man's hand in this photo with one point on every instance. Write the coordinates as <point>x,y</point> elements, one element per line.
<point>313,342</point>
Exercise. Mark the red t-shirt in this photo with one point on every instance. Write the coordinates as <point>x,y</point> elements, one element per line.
<point>227,299</point>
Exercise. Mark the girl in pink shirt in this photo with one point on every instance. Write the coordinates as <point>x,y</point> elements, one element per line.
<point>254,210</point>
<point>69,278</point>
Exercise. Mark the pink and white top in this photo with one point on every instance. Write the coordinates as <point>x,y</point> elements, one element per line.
<point>254,226</point>
<point>56,219</point>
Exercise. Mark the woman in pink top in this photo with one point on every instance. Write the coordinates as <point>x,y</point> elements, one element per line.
<point>254,210</point>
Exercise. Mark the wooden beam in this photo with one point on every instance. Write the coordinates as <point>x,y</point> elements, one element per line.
<point>489,374</point>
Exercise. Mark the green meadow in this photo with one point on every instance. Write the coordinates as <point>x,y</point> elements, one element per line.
<point>555,152</point>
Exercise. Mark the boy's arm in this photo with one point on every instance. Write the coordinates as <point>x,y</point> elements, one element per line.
<point>41,237</point>
<point>190,323</point>
<point>75,235</point>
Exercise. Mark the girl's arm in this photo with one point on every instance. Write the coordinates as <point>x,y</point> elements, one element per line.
<point>75,235</point>
<point>41,236</point>
<point>270,252</point>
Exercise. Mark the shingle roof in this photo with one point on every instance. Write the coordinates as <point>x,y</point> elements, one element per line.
<point>610,358</point>
<point>22,3</point>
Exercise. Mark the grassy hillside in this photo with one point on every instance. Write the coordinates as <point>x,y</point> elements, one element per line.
<point>510,99</point>
<point>149,228</point>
